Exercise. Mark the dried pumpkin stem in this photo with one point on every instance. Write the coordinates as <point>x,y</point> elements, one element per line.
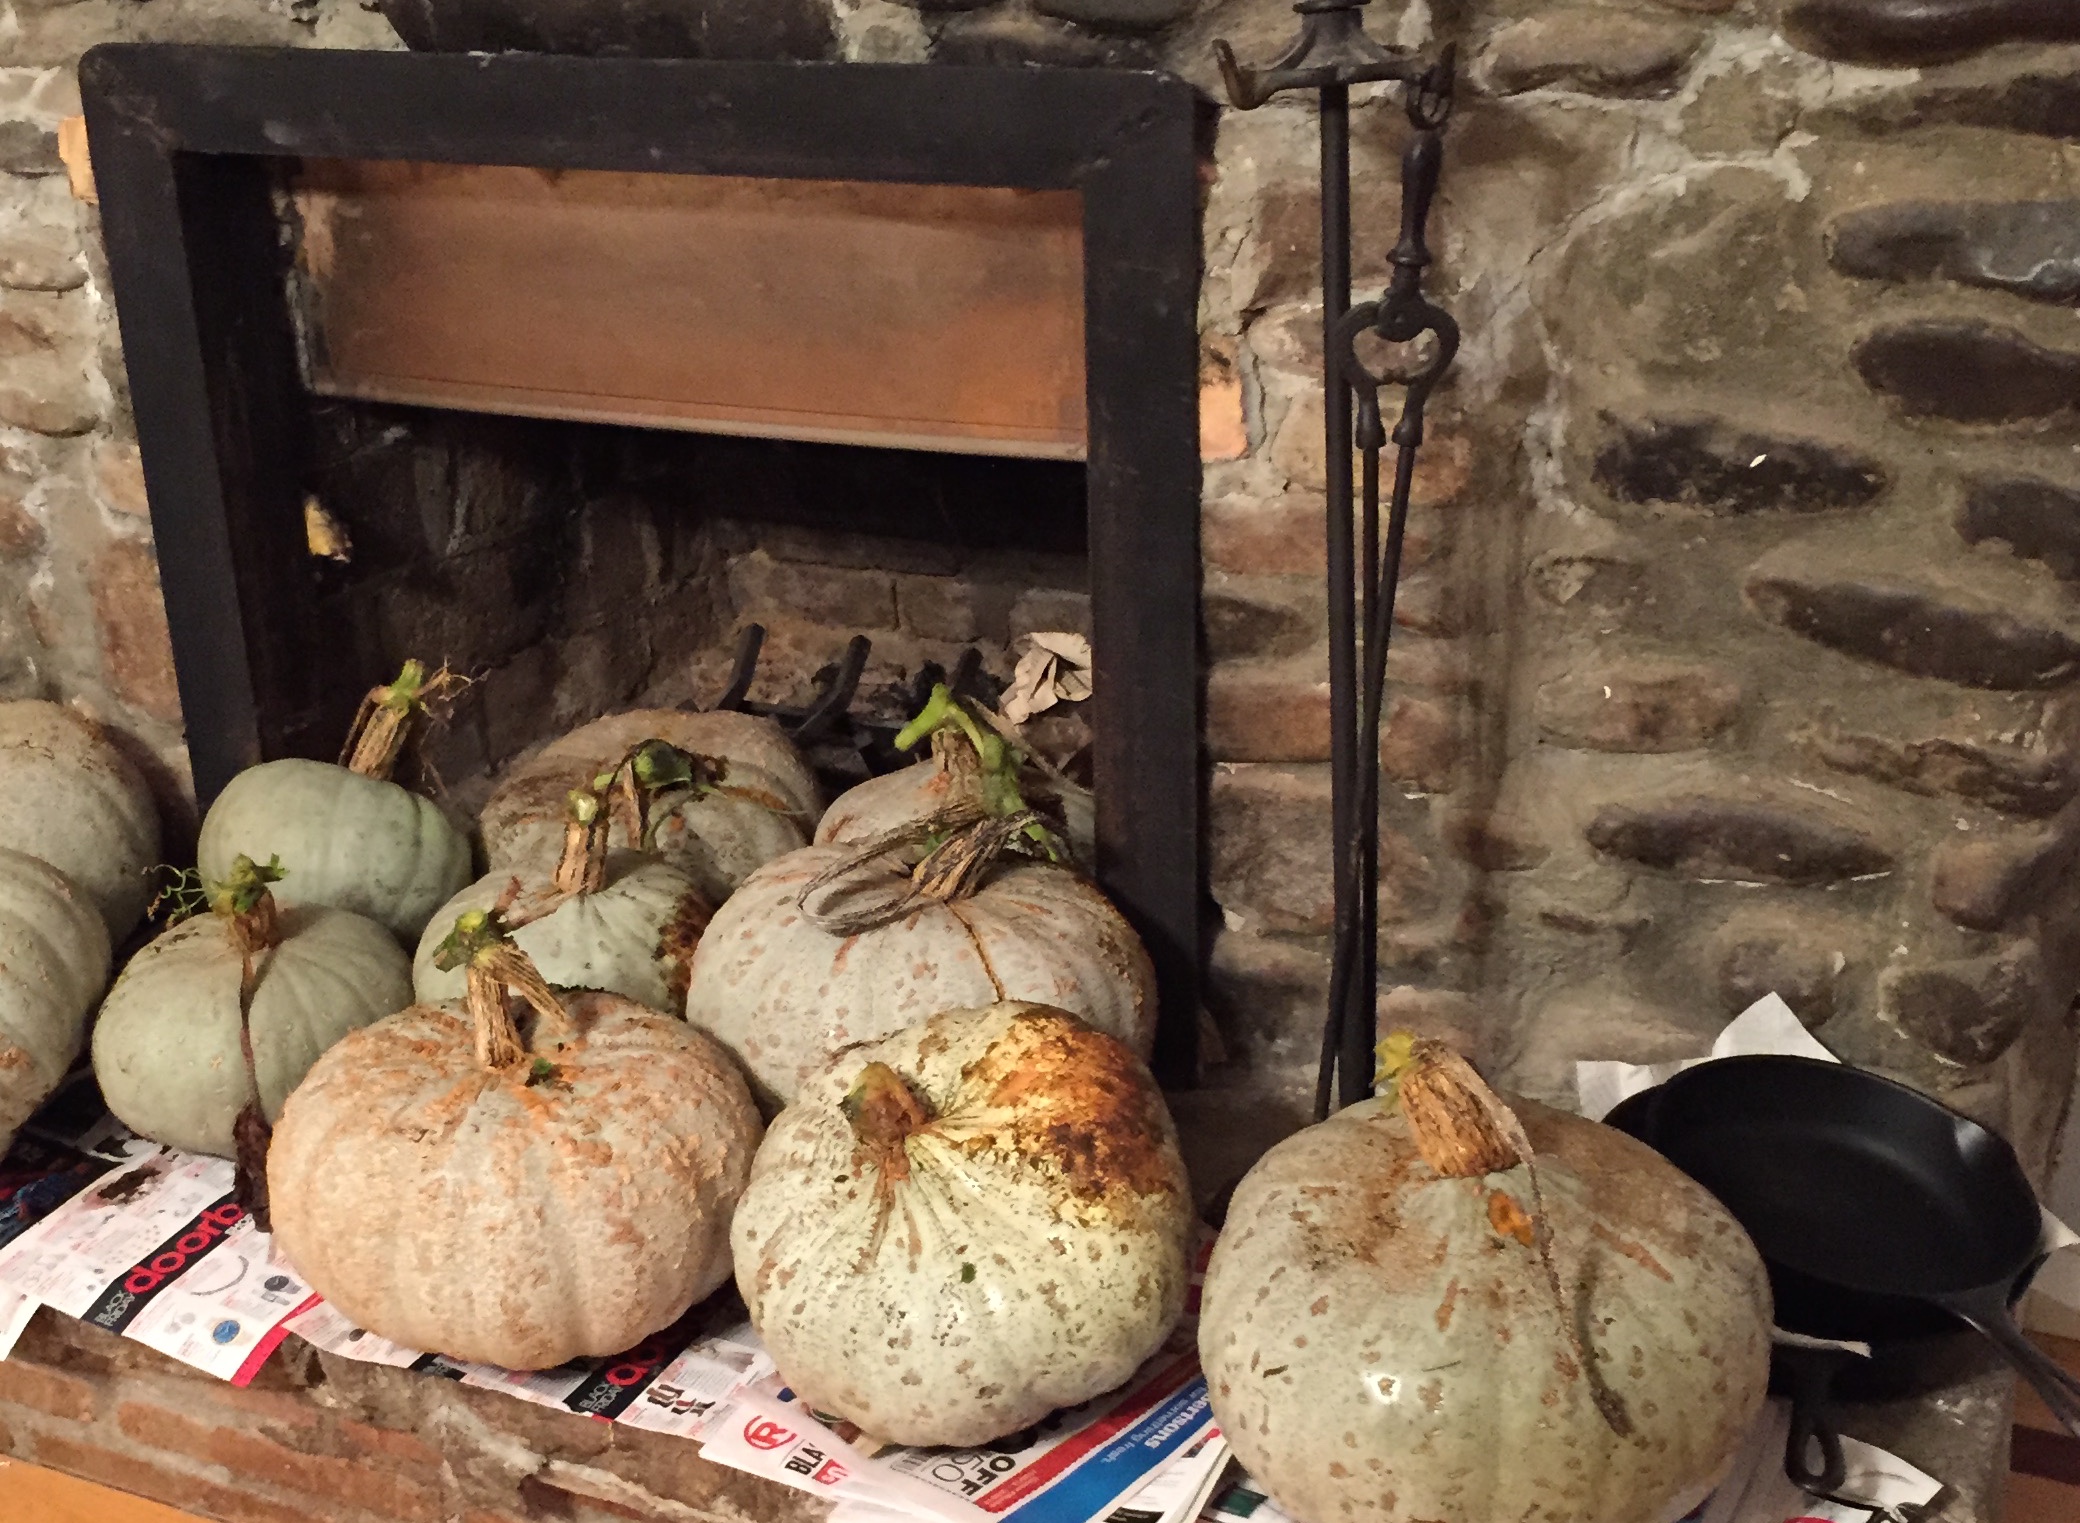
<point>482,944</point>
<point>385,721</point>
<point>1463,1130</point>
<point>582,869</point>
<point>884,1111</point>
<point>988,765</point>
<point>248,910</point>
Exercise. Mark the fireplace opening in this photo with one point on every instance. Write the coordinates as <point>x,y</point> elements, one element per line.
<point>581,367</point>
<point>571,569</point>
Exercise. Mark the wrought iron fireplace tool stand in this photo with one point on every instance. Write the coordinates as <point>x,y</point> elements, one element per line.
<point>1332,54</point>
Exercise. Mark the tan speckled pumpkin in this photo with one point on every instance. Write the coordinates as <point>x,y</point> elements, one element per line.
<point>955,1231</point>
<point>785,991</point>
<point>516,1193</point>
<point>1383,1344</point>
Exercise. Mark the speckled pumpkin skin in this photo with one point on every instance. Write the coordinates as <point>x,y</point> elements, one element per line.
<point>53,966</point>
<point>1036,1253</point>
<point>919,791</point>
<point>634,937</point>
<point>68,796</point>
<point>166,1047</point>
<point>720,839</point>
<point>784,994</point>
<point>474,1214</point>
<point>1377,1350</point>
<point>355,843</point>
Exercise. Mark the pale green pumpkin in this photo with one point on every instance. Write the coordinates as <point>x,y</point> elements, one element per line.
<point>167,1050</point>
<point>634,935</point>
<point>69,796</point>
<point>53,966</point>
<point>351,842</point>
<point>1383,1343</point>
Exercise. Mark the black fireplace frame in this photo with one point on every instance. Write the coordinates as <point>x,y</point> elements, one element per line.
<point>189,144</point>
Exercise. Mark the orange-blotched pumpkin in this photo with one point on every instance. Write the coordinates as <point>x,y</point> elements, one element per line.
<point>1405,1323</point>
<point>959,1229</point>
<point>514,1192</point>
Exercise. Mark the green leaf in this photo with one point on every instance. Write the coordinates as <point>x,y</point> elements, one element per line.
<point>967,1274</point>
<point>541,1073</point>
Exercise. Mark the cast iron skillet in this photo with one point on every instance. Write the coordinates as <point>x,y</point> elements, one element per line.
<point>1881,1213</point>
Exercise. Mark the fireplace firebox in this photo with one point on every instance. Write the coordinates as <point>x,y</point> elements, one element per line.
<point>197,152</point>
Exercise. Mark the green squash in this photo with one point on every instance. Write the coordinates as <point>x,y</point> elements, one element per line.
<point>69,796</point>
<point>167,1046</point>
<point>53,966</point>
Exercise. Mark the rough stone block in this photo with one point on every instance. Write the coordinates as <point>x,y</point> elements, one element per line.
<point>2038,520</point>
<point>1985,883</point>
<point>1593,1024</point>
<point>1903,32</point>
<point>2025,90</point>
<point>950,608</point>
<point>1740,839</point>
<point>1419,745</point>
<point>1268,994</point>
<point>1275,712</point>
<point>1969,372</point>
<point>1598,52</point>
<point>1495,840</point>
<point>41,256</point>
<point>1800,955</point>
<point>1968,626</point>
<point>29,148</point>
<point>1970,1011</point>
<point>1042,609</point>
<point>119,479</point>
<point>1708,463</point>
<point>1285,536</point>
<point>1016,38</point>
<point>2011,778</point>
<point>1261,618</point>
<point>2030,248</point>
<point>1270,850</point>
<point>136,649</point>
<point>764,589</point>
<point>1638,705</point>
<point>1300,450</point>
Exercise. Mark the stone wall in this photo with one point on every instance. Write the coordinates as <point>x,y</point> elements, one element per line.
<point>1737,639</point>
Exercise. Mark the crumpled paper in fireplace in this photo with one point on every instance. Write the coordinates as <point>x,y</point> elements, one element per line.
<point>1056,668</point>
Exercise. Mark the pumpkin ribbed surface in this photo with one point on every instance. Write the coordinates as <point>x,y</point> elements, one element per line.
<point>573,1215</point>
<point>355,843</point>
<point>1023,1246</point>
<point>166,1048</point>
<point>785,994</point>
<point>68,796</point>
<point>1382,1343</point>
<point>53,966</point>
<point>768,795</point>
<point>633,937</point>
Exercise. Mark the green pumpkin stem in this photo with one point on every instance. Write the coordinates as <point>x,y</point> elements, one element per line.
<point>495,969</point>
<point>884,1111</point>
<point>984,762</point>
<point>390,713</point>
<point>242,900</point>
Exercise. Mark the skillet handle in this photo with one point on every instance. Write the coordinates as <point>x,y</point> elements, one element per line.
<point>1812,1373</point>
<point>1987,1314</point>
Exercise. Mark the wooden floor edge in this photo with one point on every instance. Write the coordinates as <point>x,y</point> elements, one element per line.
<point>51,1496</point>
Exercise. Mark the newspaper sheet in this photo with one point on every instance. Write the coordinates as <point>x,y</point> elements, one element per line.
<point>156,1248</point>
